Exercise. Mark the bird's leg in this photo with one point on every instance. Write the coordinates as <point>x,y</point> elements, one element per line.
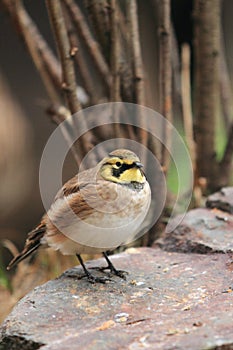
<point>119,273</point>
<point>90,277</point>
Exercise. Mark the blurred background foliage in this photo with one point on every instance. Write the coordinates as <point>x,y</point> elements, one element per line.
<point>174,56</point>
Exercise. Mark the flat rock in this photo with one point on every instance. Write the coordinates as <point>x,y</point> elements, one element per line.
<point>169,301</point>
<point>221,200</point>
<point>201,231</point>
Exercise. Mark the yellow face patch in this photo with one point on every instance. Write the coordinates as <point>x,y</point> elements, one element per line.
<point>132,175</point>
<point>122,171</point>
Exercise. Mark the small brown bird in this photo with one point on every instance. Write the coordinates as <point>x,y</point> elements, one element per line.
<point>97,210</point>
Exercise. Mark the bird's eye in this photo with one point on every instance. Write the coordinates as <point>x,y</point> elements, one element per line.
<point>118,164</point>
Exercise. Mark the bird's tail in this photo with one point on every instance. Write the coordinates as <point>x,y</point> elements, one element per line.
<point>32,243</point>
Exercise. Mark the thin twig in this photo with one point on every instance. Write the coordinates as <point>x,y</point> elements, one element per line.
<point>115,67</point>
<point>90,42</point>
<point>165,75</point>
<point>186,102</point>
<point>176,74</point>
<point>49,60</point>
<point>125,56</point>
<point>77,53</point>
<point>136,50</point>
<point>59,114</point>
<point>115,53</point>
<point>84,70</point>
<point>98,11</point>
<point>123,29</point>
<point>60,32</point>
<point>139,83</point>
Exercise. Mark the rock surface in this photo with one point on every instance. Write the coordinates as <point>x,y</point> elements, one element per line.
<point>221,200</point>
<point>202,231</point>
<point>169,301</point>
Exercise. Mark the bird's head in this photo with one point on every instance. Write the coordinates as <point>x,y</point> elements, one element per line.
<point>122,166</point>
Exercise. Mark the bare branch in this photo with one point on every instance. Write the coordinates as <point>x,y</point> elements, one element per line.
<point>206,65</point>
<point>138,71</point>
<point>176,66</point>
<point>115,53</point>
<point>165,74</point>
<point>60,32</point>
<point>186,102</point>
<point>59,114</point>
<point>50,61</point>
<point>92,46</point>
<point>84,71</point>
<point>125,59</point>
<point>77,53</point>
<point>136,50</point>
<point>98,11</point>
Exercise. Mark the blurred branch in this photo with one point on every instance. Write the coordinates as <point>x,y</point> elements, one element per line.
<point>165,75</point>
<point>186,102</point>
<point>176,74</point>
<point>206,74</point>
<point>126,61</point>
<point>91,44</point>
<point>115,53</point>
<point>115,95</point>
<point>98,11</point>
<point>68,73</point>
<point>138,71</point>
<point>77,53</point>
<point>58,114</point>
<point>84,71</point>
<point>136,51</point>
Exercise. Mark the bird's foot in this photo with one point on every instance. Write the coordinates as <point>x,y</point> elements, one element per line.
<point>95,279</point>
<point>113,271</point>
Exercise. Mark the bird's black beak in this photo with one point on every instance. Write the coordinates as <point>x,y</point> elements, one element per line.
<point>138,165</point>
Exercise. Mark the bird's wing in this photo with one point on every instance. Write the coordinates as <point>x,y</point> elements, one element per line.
<point>77,182</point>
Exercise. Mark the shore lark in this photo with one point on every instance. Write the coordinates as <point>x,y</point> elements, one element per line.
<point>96,211</point>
